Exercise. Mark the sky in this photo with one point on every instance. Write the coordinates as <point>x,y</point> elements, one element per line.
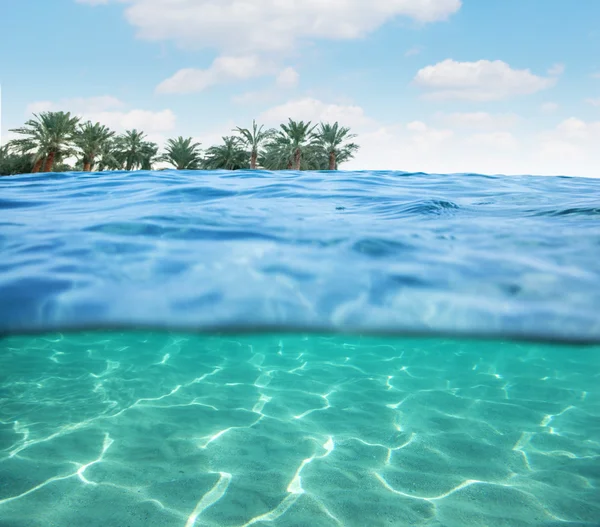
<point>447,86</point>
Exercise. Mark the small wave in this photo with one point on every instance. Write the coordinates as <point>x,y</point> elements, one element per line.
<point>575,211</point>
<point>364,251</point>
<point>415,208</point>
<point>19,204</point>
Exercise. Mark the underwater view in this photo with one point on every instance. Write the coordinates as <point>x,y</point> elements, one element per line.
<point>157,429</point>
<point>226,349</point>
<point>289,263</point>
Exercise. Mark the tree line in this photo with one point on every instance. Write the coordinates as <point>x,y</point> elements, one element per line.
<point>49,140</point>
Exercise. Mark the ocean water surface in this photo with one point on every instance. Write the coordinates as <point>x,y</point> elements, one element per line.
<point>351,251</point>
<point>299,349</point>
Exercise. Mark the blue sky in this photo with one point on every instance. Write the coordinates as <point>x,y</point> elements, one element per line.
<point>494,86</point>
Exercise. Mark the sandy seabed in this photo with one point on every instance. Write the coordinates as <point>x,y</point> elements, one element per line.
<point>155,429</point>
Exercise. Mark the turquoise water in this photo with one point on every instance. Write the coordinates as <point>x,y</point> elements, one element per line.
<point>175,430</point>
<point>218,349</point>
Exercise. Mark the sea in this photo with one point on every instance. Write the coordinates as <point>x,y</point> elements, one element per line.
<point>299,349</point>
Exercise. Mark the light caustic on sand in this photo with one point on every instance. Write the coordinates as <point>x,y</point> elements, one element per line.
<point>213,432</point>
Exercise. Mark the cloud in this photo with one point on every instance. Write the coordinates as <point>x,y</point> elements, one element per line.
<point>235,27</point>
<point>483,80</point>
<point>309,109</point>
<point>425,138</point>
<point>146,120</point>
<point>593,102</point>
<point>420,147</point>
<point>549,107</point>
<point>288,78</point>
<point>412,146</point>
<point>577,129</point>
<point>556,69</point>
<point>480,120</point>
<point>222,70</point>
<point>571,147</point>
<point>76,105</point>
<point>110,111</point>
<point>502,140</point>
<point>475,142</point>
<point>567,148</point>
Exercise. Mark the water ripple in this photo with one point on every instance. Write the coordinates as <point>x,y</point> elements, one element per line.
<point>361,251</point>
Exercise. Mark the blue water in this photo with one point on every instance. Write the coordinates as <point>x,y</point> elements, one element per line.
<point>345,251</point>
<point>218,349</point>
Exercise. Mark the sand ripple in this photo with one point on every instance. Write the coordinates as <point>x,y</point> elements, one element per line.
<point>142,429</point>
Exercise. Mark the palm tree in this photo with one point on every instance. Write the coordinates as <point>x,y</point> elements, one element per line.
<point>281,154</point>
<point>278,153</point>
<point>227,156</point>
<point>332,139</point>
<point>48,135</point>
<point>130,149</point>
<point>32,147</point>
<point>108,157</point>
<point>297,136</point>
<point>183,154</point>
<point>149,153</point>
<point>90,140</point>
<point>13,162</point>
<point>253,140</point>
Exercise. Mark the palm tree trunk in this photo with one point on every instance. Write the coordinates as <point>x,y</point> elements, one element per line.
<point>332,162</point>
<point>253,159</point>
<point>37,166</point>
<point>49,162</point>
<point>297,156</point>
<point>89,164</point>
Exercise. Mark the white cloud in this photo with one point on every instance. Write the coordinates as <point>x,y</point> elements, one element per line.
<point>483,80</point>
<point>503,140</point>
<point>571,147</point>
<point>309,109</point>
<point>417,126</point>
<point>556,69</point>
<point>234,26</point>
<point>419,147</point>
<point>577,129</point>
<point>214,136</point>
<point>105,110</point>
<point>146,120</point>
<point>423,138</point>
<point>549,107</point>
<point>593,102</point>
<point>223,69</point>
<point>480,120</point>
<point>482,146</point>
<point>76,105</point>
<point>288,78</point>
